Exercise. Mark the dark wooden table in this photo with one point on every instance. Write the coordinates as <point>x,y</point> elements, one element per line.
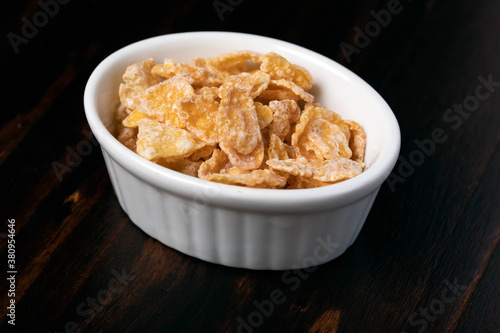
<point>427,258</point>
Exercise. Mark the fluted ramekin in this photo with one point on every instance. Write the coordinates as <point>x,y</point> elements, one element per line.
<point>238,226</point>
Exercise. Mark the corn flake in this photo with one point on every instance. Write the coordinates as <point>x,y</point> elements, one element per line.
<point>299,92</point>
<point>185,166</point>
<point>264,114</point>
<point>306,138</point>
<point>270,95</point>
<point>198,114</point>
<point>285,113</point>
<point>357,141</point>
<point>232,63</point>
<point>296,182</point>
<point>277,149</point>
<point>325,171</point>
<point>128,137</point>
<point>214,164</point>
<point>133,119</point>
<point>250,161</point>
<point>328,140</point>
<point>158,101</point>
<point>252,84</point>
<point>202,153</point>
<point>280,68</point>
<point>255,178</point>
<point>156,140</point>
<point>170,68</point>
<point>237,121</point>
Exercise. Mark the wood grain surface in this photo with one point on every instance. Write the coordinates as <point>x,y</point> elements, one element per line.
<point>426,260</point>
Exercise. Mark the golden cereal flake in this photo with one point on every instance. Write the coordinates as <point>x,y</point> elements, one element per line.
<point>185,166</point>
<point>310,113</point>
<point>252,84</point>
<point>277,149</point>
<point>299,92</point>
<point>232,63</point>
<point>270,95</point>
<point>280,68</point>
<point>170,68</point>
<point>128,137</point>
<point>285,113</point>
<point>202,153</point>
<point>159,100</point>
<point>136,79</point>
<point>357,142</point>
<point>264,114</point>
<point>327,140</point>
<point>237,122</point>
<point>121,113</point>
<point>203,77</point>
<point>133,118</point>
<point>255,178</point>
<point>198,113</point>
<point>325,171</point>
<point>296,182</point>
<point>214,164</point>
<point>252,160</point>
<point>156,140</point>
<point>208,91</point>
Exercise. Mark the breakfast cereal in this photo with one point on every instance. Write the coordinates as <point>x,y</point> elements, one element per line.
<point>241,118</point>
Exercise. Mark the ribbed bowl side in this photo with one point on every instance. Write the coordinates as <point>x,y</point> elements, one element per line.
<point>245,239</point>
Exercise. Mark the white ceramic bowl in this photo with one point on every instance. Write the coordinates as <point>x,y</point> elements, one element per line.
<point>238,226</point>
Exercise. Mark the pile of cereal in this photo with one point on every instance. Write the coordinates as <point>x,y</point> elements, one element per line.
<point>241,118</point>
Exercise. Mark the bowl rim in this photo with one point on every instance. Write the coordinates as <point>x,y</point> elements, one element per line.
<point>239,197</point>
